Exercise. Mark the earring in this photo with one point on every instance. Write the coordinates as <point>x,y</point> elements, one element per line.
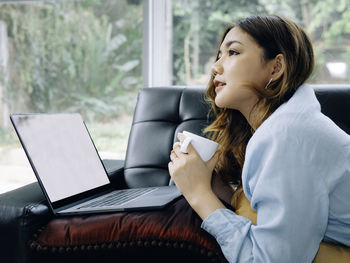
<point>268,83</point>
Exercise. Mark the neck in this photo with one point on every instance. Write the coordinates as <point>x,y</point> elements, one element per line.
<point>249,114</point>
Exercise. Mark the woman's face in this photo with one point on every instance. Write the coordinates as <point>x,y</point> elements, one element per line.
<point>240,67</point>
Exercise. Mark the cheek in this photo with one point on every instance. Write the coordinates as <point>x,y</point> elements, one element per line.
<point>245,72</point>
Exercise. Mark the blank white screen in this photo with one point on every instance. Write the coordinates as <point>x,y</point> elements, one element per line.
<point>62,153</point>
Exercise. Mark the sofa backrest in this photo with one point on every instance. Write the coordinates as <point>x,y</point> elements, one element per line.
<point>335,103</point>
<point>162,112</point>
<point>159,115</point>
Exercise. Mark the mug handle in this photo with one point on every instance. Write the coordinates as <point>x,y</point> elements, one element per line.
<point>185,144</point>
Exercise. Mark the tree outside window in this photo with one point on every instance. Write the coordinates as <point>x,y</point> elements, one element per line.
<point>198,24</point>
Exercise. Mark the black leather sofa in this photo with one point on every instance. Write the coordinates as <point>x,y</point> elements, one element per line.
<point>159,115</point>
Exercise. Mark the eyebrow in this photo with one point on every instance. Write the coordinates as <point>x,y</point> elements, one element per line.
<point>229,43</point>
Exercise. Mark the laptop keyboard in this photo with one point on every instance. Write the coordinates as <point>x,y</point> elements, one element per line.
<point>118,197</point>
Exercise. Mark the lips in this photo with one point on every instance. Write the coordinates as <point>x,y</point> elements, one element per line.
<point>218,83</point>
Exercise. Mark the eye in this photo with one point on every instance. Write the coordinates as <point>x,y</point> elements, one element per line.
<point>232,52</point>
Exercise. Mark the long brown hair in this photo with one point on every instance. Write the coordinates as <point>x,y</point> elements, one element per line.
<point>275,35</point>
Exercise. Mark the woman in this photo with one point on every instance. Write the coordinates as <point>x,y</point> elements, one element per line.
<point>291,160</point>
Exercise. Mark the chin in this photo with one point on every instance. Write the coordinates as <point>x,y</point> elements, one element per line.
<point>219,103</point>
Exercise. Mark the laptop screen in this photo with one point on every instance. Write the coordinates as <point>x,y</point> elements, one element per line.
<point>61,152</point>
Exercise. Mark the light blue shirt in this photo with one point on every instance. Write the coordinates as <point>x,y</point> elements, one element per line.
<point>297,177</point>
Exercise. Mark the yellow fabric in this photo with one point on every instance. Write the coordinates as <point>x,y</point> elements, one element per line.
<point>242,205</point>
<point>327,253</point>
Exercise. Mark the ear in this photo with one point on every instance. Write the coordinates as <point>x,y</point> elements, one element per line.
<point>278,67</point>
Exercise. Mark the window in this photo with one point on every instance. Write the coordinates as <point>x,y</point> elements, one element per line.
<point>88,56</point>
<point>198,24</point>
<point>69,56</point>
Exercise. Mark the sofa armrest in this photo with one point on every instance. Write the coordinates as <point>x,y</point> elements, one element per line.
<point>115,171</point>
<point>22,212</point>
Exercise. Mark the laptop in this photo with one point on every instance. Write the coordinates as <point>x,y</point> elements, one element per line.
<point>70,171</point>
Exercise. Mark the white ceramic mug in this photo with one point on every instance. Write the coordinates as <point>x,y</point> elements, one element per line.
<point>206,148</point>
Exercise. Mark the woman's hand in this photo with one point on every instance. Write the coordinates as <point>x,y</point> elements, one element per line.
<point>192,176</point>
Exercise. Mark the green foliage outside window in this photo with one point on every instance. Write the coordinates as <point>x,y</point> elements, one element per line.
<point>198,24</point>
<point>85,55</point>
<point>73,56</point>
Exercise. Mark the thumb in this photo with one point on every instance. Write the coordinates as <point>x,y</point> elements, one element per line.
<point>213,161</point>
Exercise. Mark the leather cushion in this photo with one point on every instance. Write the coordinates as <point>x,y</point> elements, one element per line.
<point>160,114</point>
<point>174,229</point>
<point>334,100</point>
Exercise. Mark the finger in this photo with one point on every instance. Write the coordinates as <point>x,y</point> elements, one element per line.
<point>177,150</point>
<point>181,137</point>
<point>176,144</point>
<point>170,168</point>
<point>192,150</point>
<point>173,156</point>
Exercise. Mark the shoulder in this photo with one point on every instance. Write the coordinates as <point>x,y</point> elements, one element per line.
<point>300,121</point>
<point>300,140</point>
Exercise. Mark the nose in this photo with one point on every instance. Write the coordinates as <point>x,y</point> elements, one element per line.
<point>217,68</point>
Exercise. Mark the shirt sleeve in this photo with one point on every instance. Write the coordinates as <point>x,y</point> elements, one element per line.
<point>280,179</point>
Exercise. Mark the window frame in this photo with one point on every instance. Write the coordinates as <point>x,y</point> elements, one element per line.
<point>157,43</point>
